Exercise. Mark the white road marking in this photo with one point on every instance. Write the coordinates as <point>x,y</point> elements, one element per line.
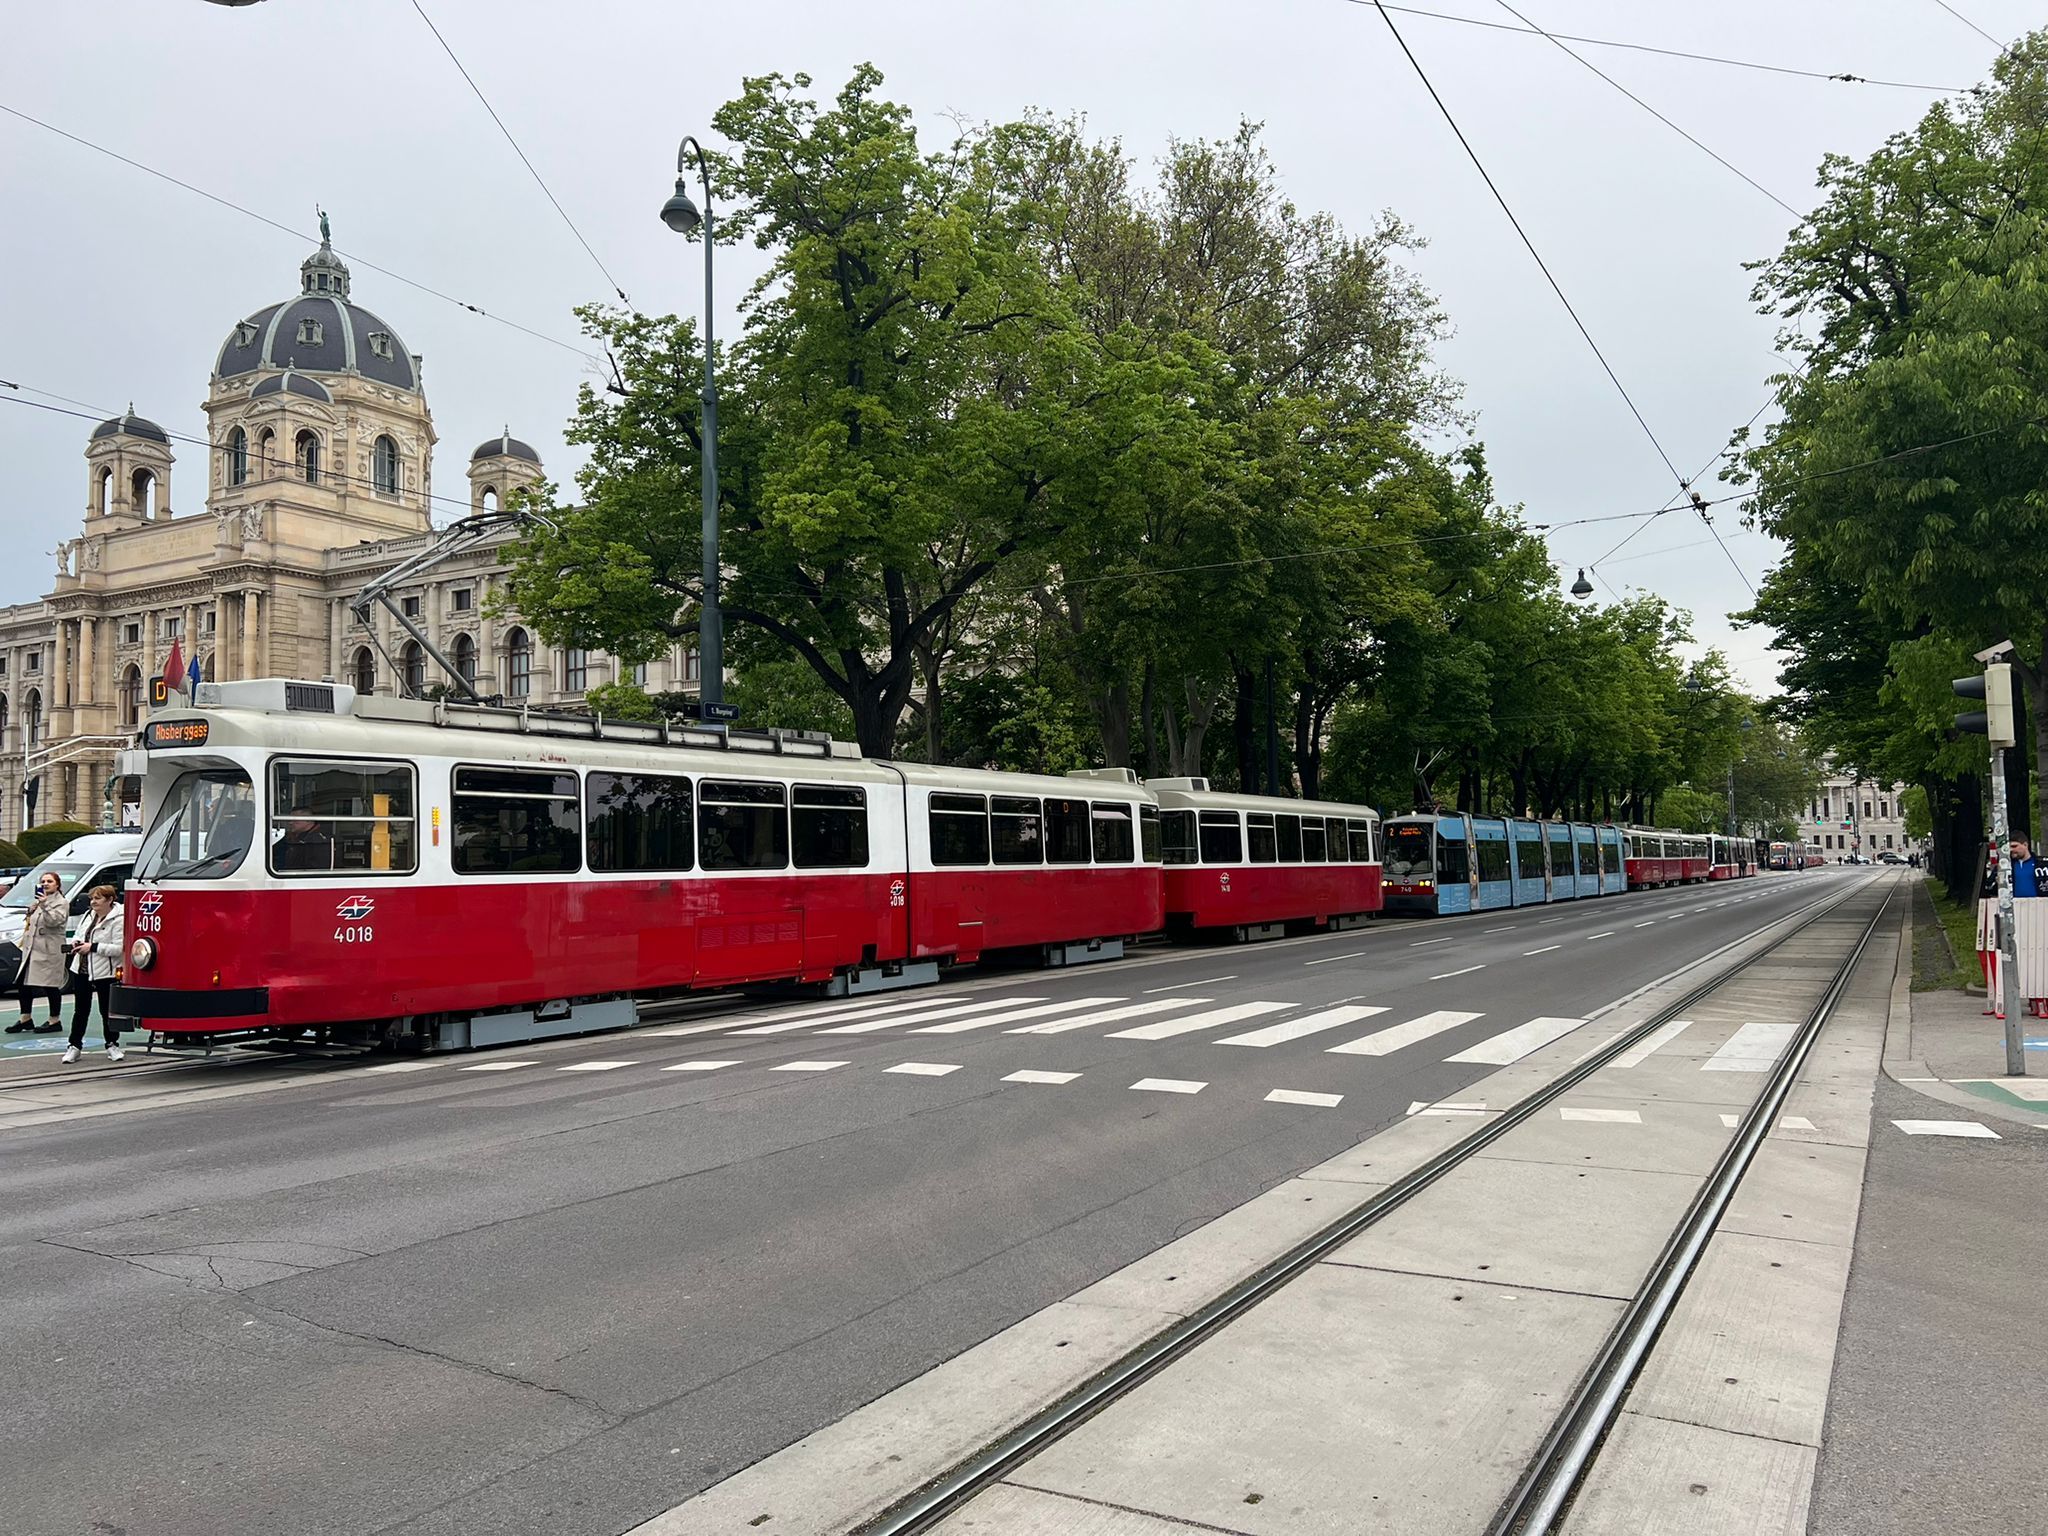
<point>403,1066</point>
<point>1424,1107</point>
<point>1544,922</point>
<point>1349,954</point>
<point>1166,1085</point>
<point>1755,1047</point>
<point>1013,1015</point>
<point>1307,1024</point>
<point>870,1026</point>
<point>1447,975</point>
<point>699,1066</point>
<point>1387,1041</point>
<point>687,1029</point>
<point>1546,949</point>
<point>1651,1043</point>
<point>1512,1045</point>
<point>595,1066</point>
<point>923,1068</point>
<point>1166,1029</point>
<point>1646,924</point>
<point>1797,1123</point>
<point>1607,935</point>
<point>1420,943</point>
<point>1601,1116</point>
<point>1110,1015</point>
<point>1946,1128</point>
<point>1728,1121</point>
<point>496,1066</point>
<point>807,1066</point>
<point>887,1002</point>
<point>1295,1096</point>
<point>1507,928</point>
<point>1041,1077</point>
<point>1178,985</point>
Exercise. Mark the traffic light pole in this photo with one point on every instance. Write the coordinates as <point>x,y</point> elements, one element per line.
<point>2008,938</point>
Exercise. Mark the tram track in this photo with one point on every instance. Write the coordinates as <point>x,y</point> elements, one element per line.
<point>1567,1451</point>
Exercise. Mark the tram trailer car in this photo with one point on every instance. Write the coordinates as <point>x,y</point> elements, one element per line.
<point>1250,866</point>
<point>453,875</point>
<point>1659,858</point>
<point>1439,863</point>
<point>1734,858</point>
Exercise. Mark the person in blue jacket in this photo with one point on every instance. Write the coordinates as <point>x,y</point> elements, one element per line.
<point>2026,869</point>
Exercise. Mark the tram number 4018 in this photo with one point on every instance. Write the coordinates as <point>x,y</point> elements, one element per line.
<point>357,934</point>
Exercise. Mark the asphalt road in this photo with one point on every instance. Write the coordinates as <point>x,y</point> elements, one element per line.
<point>461,1295</point>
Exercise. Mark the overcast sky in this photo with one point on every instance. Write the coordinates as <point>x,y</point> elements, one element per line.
<point>117,286</point>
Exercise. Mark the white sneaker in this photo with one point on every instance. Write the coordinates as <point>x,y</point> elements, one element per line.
<point>70,1054</point>
<point>115,1053</point>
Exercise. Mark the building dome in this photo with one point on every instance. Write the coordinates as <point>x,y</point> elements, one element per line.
<point>132,425</point>
<point>504,446</point>
<point>291,382</point>
<point>320,331</point>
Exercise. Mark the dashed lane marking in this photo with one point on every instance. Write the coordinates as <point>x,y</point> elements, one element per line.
<point>1041,1077</point>
<point>956,1010</point>
<point>1421,943</point>
<point>1166,1085</point>
<point>1601,1116</point>
<point>1645,925</point>
<point>497,1066</point>
<point>1110,1015</point>
<point>924,1068</point>
<point>1296,1096</point>
<point>689,1029</point>
<point>1947,1128</point>
<point>1180,986</point>
<point>1307,1024</point>
<point>1388,1041</point>
<point>1755,1047</point>
<point>1651,1043</point>
<point>1546,949</point>
<point>700,1066</point>
<point>401,1066</point>
<point>1167,1029</point>
<point>807,1066</point>
<point>1512,1045</point>
<point>1506,928</point>
<point>596,1066</point>
<point>1447,975</point>
<point>1013,1015</point>
<point>1797,1123</point>
<point>1350,954</point>
<point>1607,935</point>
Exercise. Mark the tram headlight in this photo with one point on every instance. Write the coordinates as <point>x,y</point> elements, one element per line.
<point>142,954</point>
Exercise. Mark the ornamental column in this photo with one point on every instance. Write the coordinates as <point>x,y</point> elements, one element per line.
<point>87,694</point>
<point>60,677</point>
<point>252,613</point>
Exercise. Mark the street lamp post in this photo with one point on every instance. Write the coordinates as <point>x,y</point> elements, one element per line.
<point>682,216</point>
<point>1747,726</point>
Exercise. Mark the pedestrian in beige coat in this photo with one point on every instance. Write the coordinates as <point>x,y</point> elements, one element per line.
<point>42,953</point>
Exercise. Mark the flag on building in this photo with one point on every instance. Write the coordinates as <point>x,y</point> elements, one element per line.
<point>174,669</point>
<point>192,674</point>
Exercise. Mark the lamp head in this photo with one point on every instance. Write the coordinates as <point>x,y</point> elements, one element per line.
<point>1582,587</point>
<point>679,213</point>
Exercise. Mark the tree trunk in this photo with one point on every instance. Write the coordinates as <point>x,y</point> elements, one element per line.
<point>1148,704</point>
<point>1113,721</point>
<point>1245,729</point>
<point>1201,711</point>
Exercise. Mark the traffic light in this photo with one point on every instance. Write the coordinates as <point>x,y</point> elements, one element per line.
<point>1995,718</point>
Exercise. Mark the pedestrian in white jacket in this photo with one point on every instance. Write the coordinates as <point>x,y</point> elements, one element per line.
<point>95,963</point>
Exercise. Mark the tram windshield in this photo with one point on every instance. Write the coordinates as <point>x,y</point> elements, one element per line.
<point>203,830</point>
<point>1405,853</point>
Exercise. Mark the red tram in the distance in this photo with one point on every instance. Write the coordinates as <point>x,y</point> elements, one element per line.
<point>456,875</point>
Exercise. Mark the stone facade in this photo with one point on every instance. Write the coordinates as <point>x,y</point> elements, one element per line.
<point>319,478</point>
<point>1875,821</point>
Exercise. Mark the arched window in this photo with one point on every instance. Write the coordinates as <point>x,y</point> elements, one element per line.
<point>131,696</point>
<point>365,670</point>
<point>142,494</point>
<point>640,674</point>
<point>415,661</point>
<point>519,672</point>
<point>487,499</point>
<point>238,457</point>
<point>306,455</point>
<point>3,718</point>
<point>384,467</point>
<point>32,720</point>
<point>465,658</point>
<point>266,454</point>
<point>206,671</point>
<point>103,498</point>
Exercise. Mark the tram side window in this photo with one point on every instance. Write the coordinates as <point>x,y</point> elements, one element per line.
<point>1112,828</point>
<point>637,821</point>
<point>1361,842</point>
<point>1260,843</point>
<point>1017,829</point>
<point>1453,861</point>
<point>1287,832</point>
<point>1178,830</point>
<point>1610,857</point>
<point>1222,842</point>
<point>959,825</point>
<point>1150,847</point>
<point>1493,858</point>
<point>516,821</point>
<point>329,817</point>
<point>1529,856</point>
<point>1315,847</point>
<point>828,826</point>
<point>1066,832</point>
<point>742,824</point>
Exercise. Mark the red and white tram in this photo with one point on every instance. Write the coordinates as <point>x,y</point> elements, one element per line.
<point>464,875</point>
<point>1249,865</point>
<point>1655,857</point>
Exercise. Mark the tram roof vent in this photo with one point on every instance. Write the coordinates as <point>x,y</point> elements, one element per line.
<point>1186,786</point>
<point>1114,775</point>
<point>277,696</point>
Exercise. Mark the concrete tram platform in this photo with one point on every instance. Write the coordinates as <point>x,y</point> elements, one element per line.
<point>1401,1384</point>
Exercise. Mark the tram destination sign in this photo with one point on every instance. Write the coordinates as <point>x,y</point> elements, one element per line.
<point>174,733</point>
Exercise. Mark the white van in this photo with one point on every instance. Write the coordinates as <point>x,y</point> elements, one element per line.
<point>99,858</point>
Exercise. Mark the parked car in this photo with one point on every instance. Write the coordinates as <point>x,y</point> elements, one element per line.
<point>1888,857</point>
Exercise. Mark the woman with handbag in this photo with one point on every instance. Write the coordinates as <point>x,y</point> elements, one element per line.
<point>95,962</point>
<point>42,956</point>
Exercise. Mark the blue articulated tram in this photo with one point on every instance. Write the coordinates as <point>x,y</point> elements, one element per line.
<point>1444,864</point>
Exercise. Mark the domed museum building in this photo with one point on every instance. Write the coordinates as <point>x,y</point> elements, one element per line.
<point>319,478</point>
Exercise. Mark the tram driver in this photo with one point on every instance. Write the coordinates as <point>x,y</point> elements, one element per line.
<point>304,845</point>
